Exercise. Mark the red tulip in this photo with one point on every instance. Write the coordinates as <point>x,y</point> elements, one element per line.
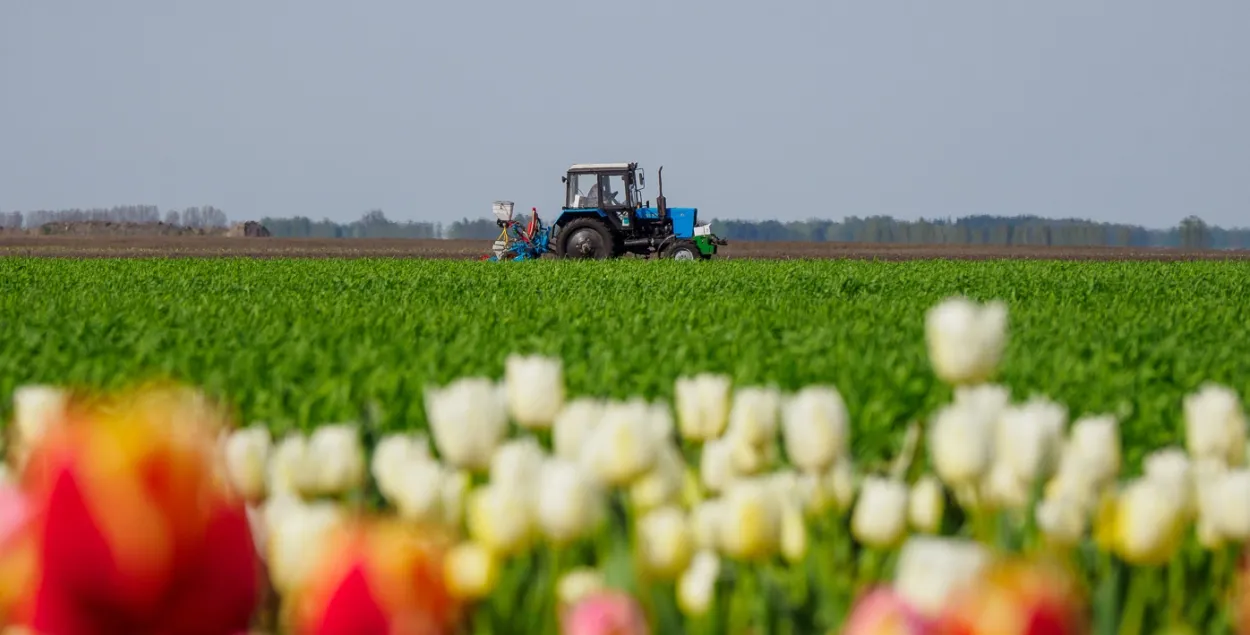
<point>133,529</point>
<point>376,578</point>
<point>1016,598</point>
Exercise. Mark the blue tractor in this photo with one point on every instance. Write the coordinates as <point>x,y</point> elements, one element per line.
<point>604,216</point>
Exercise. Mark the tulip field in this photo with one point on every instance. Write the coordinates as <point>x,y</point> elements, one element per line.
<point>222,446</point>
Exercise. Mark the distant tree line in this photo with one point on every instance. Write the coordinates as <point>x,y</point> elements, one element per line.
<point>1192,232</point>
<point>195,217</point>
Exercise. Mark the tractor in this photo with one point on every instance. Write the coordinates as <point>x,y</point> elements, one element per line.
<point>604,216</point>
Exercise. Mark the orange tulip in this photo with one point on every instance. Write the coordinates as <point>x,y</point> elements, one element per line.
<point>132,527</point>
<point>377,577</point>
<point>1016,598</point>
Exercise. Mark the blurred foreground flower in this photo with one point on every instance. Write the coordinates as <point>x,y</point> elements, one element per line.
<point>1017,597</point>
<point>884,612</point>
<point>468,419</point>
<point>965,339</point>
<point>380,577</point>
<point>702,404</point>
<point>535,387</point>
<point>605,613</point>
<point>133,528</point>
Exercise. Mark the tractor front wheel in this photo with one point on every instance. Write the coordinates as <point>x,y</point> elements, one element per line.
<point>585,238</point>
<point>683,250</point>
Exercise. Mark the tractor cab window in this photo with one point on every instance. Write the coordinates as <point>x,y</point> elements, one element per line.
<point>583,190</point>
<point>617,193</point>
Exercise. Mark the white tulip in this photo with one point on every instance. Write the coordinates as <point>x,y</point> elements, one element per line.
<point>573,426</point>
<point>468,419</point>
<point>697,585</point>
<point>290,468</point>
<point>1003,489</point>
<point>1232,515</point>
<point>1029,438</point>
<point>623,446</point>
<point>929,568</point>
<point>815,428</point>
<point>926,504</point>
<point>1208,475</point>
<point>750,520</point>
<point>535,386</point>
<point>579,584</point>
<point>1094,445</point>
<point>298,540</point>
<point>391,453</point>
<point>247,459</point>
<point>499,520</point>
<point>515,465</point>
<point>966,340</point>
<point>36,407</point>
<point>419,493</point>
<point>662,484</point>
<point>337,459</point>
<point>702,405</point>
<point>662,422</point>
<point>471,571</point>
<point>664,542</point>
<point>1061,519</point>
<point>988,399</point>
<point>707,520</point>
<point>1171,468</point>
<point>1215,425</point>
<point>842,483</point>
<point>1150,520</point>
<point>793,532</point>
<point>716,465</point>
<point>753,416</point>
<point>569,506</point>
<point>880,517</point>
<point>961,443</point>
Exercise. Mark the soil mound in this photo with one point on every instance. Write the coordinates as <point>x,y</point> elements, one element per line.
<point>250,229</point>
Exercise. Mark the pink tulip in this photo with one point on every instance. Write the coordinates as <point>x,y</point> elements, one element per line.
<point>884,612</point>
<point>14,512</point>
<point>607,613</point>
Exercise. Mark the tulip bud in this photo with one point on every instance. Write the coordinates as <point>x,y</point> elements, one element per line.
<point>391,454</point>
<point>623,446</point>
<point>961,443</point>
<point>1171,468</point>
<point>702,406</point>
<point>750,520</point>
<point>706,523</point>
<point>1215,425</point>
<point>471,571</point>
<point>752,430</point>
<point>885,611</point>
<point>662,484</point>
<point>419,496</point>
<point>815,428</point>
<point>515,465</point>
<point>385,577</point>
<point>579,584</point>
<point>573,426</point>
<point>842,483</point>
<point>535,390</point>
<point>298,541</point>
<point>1232,516</point>
<point>569,506</point>
<point>468,419</point>
<point>337,459</point>
<point>1029,438</point>
<point>1094,444</point>
<point>1143,524</point>
<point>499,519</point>
<point>605,613</point>
<point>1061,520</point>
<point>247,457</point>
<point>966,340</point>
<point>930,568</point>
<point>696,587</point>
<point>664,542</point>
<point>926,505</point>
<point>716,465</point>
<point>793,533</point>
<point>880,516</point>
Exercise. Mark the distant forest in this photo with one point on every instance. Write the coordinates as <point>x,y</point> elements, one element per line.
<point>1192,232</point>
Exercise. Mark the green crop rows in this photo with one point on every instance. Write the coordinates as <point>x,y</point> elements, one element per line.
<point>302,342</point>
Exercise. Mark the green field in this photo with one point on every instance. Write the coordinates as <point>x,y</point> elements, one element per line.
<point>302,342</point>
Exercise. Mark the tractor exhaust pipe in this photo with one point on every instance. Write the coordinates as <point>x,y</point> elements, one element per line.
<point>661,203</point>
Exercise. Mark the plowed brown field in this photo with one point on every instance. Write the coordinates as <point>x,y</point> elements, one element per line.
<point>211,246</point>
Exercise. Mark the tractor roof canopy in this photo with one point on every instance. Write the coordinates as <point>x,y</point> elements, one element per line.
<point>582,168</point>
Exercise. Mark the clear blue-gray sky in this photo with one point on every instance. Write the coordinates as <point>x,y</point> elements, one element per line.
<point>1132,110</point>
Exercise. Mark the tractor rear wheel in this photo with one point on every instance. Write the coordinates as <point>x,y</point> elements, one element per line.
<point>683,250</point>
<point>585,238</point>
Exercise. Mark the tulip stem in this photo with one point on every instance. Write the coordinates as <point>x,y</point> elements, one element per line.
<point>1135,606</point>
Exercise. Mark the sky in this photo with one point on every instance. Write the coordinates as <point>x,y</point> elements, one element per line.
<point>1123,111</point>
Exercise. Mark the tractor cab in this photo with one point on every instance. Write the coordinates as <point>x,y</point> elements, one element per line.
<point>612,187</point>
